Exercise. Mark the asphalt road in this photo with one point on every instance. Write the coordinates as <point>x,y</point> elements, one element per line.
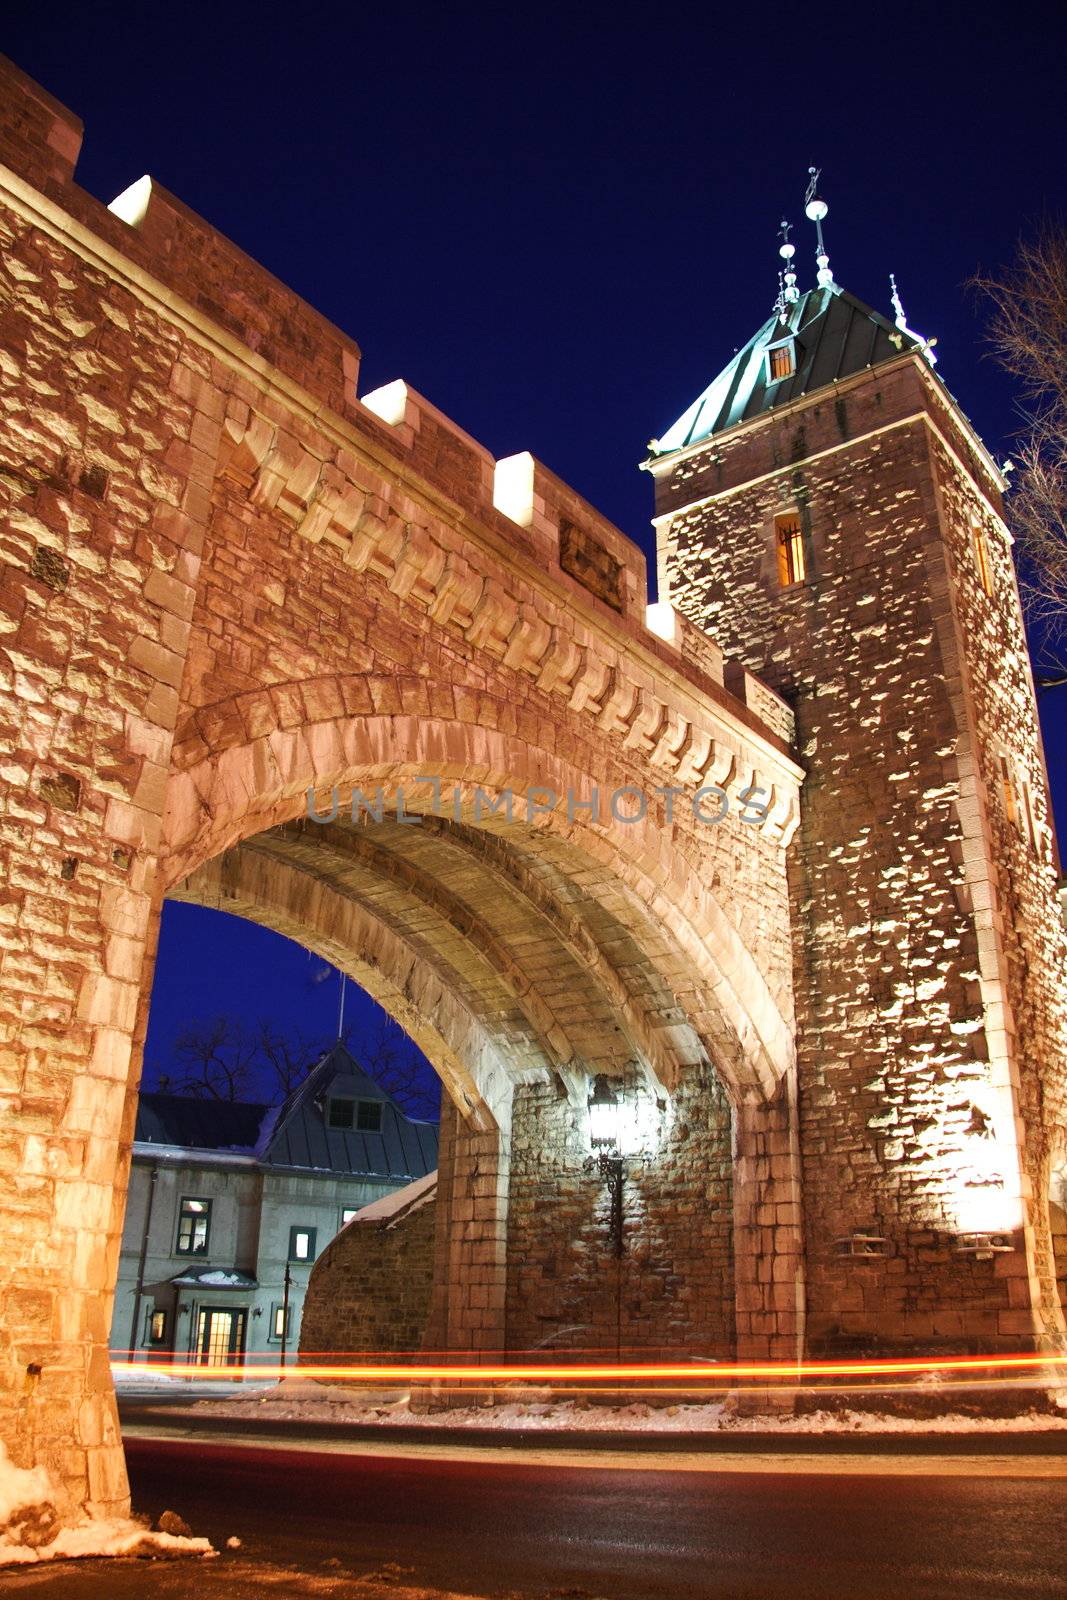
<point>513,1528</point>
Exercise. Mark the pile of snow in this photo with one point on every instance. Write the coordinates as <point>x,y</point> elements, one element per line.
<point>30,1527</point>
<point>305,1399</point>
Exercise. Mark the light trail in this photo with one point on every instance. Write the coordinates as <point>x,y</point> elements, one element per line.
<point>784,1373</point>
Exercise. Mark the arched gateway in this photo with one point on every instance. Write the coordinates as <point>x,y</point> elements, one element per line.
<point>239,596</point>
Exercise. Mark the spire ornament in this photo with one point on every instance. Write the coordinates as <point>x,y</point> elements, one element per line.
<point>788,293</point>
<point>815,209</point>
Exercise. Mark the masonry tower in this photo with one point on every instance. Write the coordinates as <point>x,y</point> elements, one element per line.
<point>826,511</point>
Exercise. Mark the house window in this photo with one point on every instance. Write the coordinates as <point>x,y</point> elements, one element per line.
<point>281,1322</point>
<point>981,556</point>
<point>369,1116</point>
<point>347,1213</point>
<point>194,1226</point>
<point>341,1113</point>
<point>155,1326</point>
<point>781,362</point>
<point>302,1244</point>
<point>790,544</point>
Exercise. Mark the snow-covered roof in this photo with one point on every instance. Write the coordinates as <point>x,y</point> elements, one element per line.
<point>402,1201</point>
<point>216,1278</point>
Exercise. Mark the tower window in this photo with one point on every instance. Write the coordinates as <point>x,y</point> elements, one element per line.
<point>981,556</point>
<point>781,361</point>
<point>1007,790</point>
<point>790,544</point>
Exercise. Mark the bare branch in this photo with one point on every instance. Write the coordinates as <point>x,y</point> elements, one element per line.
<point>1028,334</point>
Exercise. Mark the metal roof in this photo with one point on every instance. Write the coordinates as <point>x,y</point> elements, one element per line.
<point>302,1138</point>
<point>835,336</point>
<point>296,1135</point>
<point>173,1119</point>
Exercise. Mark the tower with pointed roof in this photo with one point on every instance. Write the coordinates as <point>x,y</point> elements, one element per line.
<point>825,510</point>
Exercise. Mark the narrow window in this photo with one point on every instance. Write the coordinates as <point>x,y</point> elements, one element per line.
<point>790,542</point>
<point>280,1323</point>
<point>155,1326</point>
<point>780,362</point>
<point>369,1116</point>
<point>1029,818</point>
<point>341,1113</point>
<point>1007,789</point>
<point>302,1244</point>
<point>194,1226</point>
<point>981,556</point>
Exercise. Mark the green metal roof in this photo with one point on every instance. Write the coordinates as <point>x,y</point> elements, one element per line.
<point>835,336</point>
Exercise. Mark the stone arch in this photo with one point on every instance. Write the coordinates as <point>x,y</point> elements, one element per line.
<point>661,869</point>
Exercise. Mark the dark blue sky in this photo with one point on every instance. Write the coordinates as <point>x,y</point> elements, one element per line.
<point>559,222</point>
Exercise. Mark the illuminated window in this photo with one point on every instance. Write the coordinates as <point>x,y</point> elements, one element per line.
<point>194,1226</point>
<point>781,362</point>
<point>1007,789</point>
<point>981,556</point>
<point>281,1324</point>
<point>302,1244</point>
<point>790,543</point>
<point>155,1326</point>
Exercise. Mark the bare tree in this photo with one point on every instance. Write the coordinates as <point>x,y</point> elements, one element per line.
<point>1028,332</point>
<point>398,1066</point>
<point>224,1059</point>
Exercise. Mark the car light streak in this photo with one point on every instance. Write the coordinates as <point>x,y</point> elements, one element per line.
<point>704,1375</point>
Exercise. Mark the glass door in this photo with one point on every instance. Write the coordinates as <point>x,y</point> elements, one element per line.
<point>220,1335</point>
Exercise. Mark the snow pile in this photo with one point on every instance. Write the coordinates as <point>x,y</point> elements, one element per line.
<point>304,1399</point>
<point>30,1530</point>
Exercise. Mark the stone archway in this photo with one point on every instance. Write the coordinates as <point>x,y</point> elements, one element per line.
<point>232,581</point>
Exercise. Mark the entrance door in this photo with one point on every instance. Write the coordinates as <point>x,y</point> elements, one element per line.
<point>220,1335</point>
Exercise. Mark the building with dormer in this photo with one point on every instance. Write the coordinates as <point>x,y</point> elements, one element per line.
<point>226,1199</point>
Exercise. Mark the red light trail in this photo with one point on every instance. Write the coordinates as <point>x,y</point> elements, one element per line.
<point>786,1373</point>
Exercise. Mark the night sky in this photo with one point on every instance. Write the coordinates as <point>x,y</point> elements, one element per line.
<point>559,224</point>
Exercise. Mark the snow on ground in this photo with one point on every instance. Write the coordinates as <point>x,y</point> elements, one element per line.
<point>304,1400</point>
<point>30,1527</point>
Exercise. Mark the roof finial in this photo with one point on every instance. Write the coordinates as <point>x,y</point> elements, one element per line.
<point>788,293</point>
<point>900,319</point>
<point>925,345</point>
<point>815,209</point>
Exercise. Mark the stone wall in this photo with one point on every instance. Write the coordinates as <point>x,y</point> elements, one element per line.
<point>370,1288</point>
<point>929,960</point>
<point>672,1289</point>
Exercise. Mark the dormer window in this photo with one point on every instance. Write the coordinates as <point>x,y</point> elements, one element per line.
<point>781,360</point>
<point>363,1115</point>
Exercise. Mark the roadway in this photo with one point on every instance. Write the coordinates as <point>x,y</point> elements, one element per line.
<point>525,1523</point>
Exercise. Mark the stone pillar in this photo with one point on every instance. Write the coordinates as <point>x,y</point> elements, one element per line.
<point>470,1272</point>
<point>768,1231</point>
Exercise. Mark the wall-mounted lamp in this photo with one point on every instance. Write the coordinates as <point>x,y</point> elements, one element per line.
<point>604,1129</point>
<point>604,1117</point>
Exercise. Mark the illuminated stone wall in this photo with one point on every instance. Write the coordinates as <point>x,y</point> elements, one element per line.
<point>227,580</point>
<point>672,1289</point>
<point>928,954</point>
<point>370,1287</point>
